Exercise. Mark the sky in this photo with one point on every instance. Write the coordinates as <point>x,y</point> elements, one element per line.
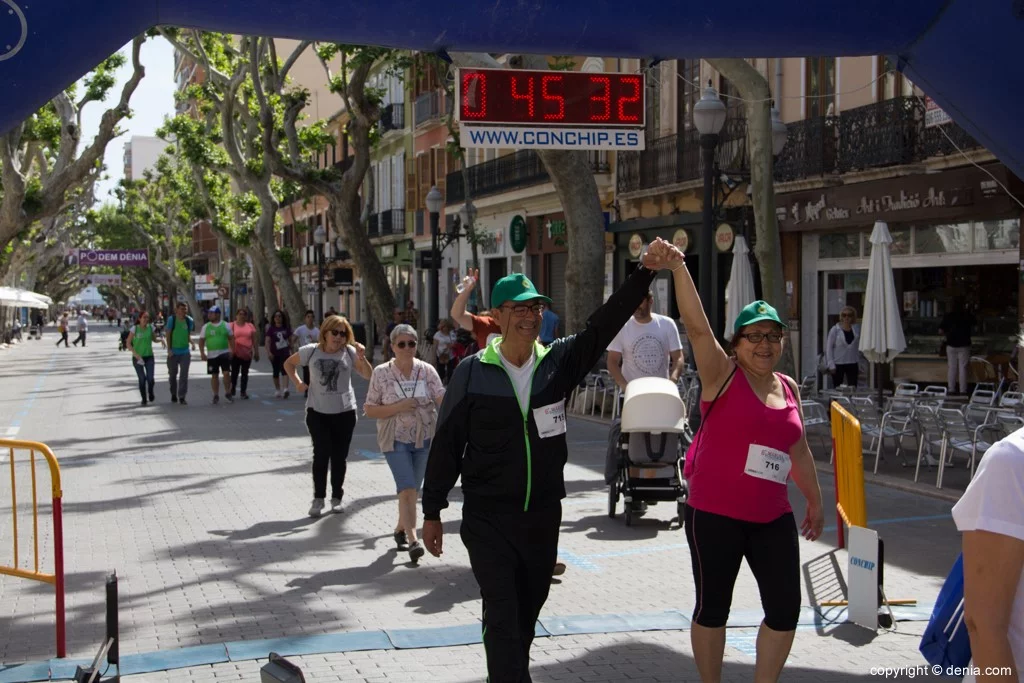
<point>153,100</point>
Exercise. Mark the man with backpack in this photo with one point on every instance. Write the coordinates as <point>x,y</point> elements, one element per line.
<point>179,357</point>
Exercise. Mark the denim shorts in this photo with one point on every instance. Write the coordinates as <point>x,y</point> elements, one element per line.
<point>408,464</point>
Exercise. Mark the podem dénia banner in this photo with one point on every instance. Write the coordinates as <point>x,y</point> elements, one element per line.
<point>107,257</point>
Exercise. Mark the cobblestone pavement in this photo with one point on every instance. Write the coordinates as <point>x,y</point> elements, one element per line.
<point>201,512</point>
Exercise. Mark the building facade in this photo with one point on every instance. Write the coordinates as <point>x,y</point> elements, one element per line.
<point>140,155</point>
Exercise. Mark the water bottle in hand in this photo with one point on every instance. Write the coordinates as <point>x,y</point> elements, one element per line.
<point>466,281</point>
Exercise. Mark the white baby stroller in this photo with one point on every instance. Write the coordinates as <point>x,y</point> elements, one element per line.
<point>653,438</point>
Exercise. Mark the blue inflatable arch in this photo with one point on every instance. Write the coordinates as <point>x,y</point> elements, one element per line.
<point>965,54</point>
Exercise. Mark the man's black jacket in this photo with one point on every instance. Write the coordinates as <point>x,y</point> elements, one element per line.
<point>484,436</point>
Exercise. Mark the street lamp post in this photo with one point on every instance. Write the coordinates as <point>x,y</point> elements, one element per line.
<point>435,200</point>
<point>708,117</point>
<point>468,216</point>
<point>320,239</point>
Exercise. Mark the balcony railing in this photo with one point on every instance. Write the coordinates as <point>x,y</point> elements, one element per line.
<point>427,107</point>
<point>392,222</point>
<point>810,149</point>
<point>939,140</point>
<point>512,171</point>
<point>373,225</point>
<point>676,158</point>
<point>392,118</point>
<point>887,133</point>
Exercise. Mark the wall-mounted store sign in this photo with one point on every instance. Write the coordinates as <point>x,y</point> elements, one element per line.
<point>950,195</point>
<point>681,239</point>
<point>636,245</point>
<point>724,237</point>
<point>517,235</point>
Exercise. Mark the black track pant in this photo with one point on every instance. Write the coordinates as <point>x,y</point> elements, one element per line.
<point>331,434</point>
<point>718,545</point>
<point>512,555</point>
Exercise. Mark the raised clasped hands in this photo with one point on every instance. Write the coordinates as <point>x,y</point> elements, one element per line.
<point>662,255</point>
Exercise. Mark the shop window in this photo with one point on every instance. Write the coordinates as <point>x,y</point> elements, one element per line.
<point>953,238</point>
<point>839,245</point>
<point>820,87</point>
<point>900,241</point>
<point>1003,234</point>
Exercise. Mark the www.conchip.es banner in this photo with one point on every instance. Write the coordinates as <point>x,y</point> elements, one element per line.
<point>107,257</point>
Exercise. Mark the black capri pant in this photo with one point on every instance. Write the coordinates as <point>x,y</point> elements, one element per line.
<point>718,545</point>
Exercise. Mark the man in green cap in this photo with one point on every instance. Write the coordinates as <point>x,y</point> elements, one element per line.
<point>502,427</point>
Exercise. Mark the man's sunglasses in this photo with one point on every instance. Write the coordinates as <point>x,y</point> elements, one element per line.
<point>402,344</point>
<point>337,333</point>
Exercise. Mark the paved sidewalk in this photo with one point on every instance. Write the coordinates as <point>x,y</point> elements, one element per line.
<point>201,511</point>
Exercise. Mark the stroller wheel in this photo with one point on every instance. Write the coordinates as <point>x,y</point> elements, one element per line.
<point>628,509</point>
<point>680,509</point>
<point>613,498</point>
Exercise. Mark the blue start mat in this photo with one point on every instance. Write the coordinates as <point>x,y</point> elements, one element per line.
<point>348,641</point>
<point>446,636</point>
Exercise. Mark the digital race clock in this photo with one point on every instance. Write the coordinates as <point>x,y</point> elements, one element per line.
<point>553,98</point>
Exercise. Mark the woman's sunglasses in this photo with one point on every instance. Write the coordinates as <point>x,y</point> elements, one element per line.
<point>337,333</point>
<point>402,344</point>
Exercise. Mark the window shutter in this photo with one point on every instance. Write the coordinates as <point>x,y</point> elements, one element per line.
<point>425,181</point>
<point>398,186</point>
<point>441,168</point>
<point>411,201</point>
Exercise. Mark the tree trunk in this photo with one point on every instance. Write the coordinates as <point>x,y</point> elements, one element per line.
<point>577,192</point>
<point>753,87</point>
<point>379,298</point>
<point>259,303</point>
<point>267,283</point>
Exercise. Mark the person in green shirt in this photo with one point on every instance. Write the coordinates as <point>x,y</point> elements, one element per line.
<point>179,358</point>
<point>216,346</point>
<point>140,341</point>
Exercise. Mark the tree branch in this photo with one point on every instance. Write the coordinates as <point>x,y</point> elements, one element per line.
<point>213,74</point>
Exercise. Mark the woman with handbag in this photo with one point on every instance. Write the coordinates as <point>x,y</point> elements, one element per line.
<point>751,440</point>
<point>403,397</point>
<point>842,349</point>
<point>247,350</point>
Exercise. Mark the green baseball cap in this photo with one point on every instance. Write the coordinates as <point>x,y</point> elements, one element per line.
<point>756,312</point>
<point>514,287</point>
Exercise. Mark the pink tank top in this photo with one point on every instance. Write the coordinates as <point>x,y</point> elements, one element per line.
<point>739,464</point>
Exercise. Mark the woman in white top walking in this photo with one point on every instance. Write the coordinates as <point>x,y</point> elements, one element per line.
<point>842,348</point>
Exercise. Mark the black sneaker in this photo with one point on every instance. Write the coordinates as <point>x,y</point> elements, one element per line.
<point>416,551</point>
<point>144,403</point>
<point>152,398</point>
<point>245,396</point>
<point>216,400</point>
<point>174,399</point>
<point>401,541</point>
<point>182,401</point>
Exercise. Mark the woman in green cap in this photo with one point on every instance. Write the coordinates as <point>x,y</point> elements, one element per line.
<point>750,443</point>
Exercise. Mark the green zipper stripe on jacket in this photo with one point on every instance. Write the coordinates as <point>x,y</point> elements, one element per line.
<point>495,359</point>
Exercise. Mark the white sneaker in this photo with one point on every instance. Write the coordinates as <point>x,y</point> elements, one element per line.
<point>277,394</point>
<point>336,505</point>
<point>317,507</point>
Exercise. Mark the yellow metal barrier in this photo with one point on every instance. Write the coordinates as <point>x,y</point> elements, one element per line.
<point>57,577</point>
<point>847,444</point>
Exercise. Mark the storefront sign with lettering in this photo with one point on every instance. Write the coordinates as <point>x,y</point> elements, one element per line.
<point>950,195</point>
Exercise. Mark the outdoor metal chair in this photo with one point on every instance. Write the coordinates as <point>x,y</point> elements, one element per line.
<point>808,386</point>
<point>907,389</point>
<point>897,422</point>
<point>930,433</point>
<point>958,436</point>
<point>1011,399</point>
<point>815,415</point>
<point>984,396</point>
